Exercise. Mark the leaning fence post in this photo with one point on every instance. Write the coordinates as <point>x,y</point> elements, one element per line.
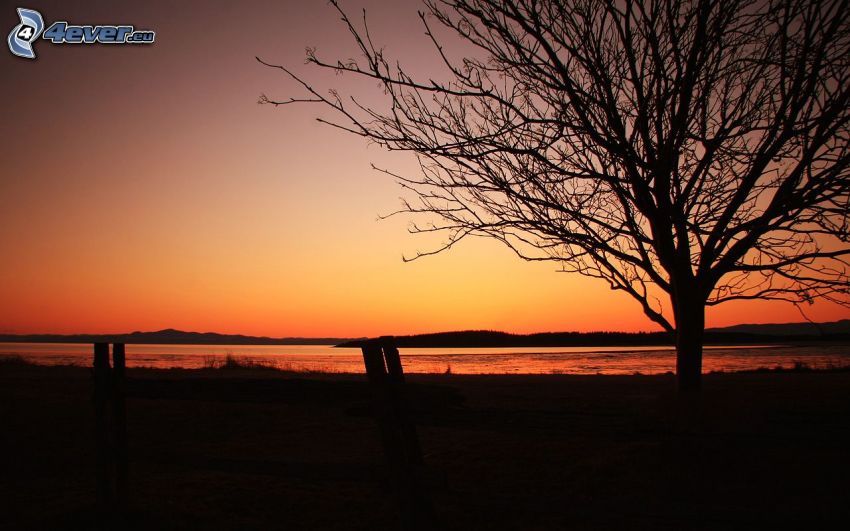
<point>395,374</point>
<point>119,418</point>
<point>398,435</point>
<point>382,404</point>
<point>101,437</point>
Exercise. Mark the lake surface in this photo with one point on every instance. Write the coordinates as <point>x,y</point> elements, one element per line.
<point>508,360</point>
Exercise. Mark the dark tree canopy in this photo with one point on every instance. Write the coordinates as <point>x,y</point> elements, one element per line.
<point>695,150</point>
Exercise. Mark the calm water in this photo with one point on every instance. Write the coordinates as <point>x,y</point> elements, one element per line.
<point>511,360</point>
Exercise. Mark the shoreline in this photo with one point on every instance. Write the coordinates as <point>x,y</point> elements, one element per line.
<point>577,360</point>
<point>245,366</point>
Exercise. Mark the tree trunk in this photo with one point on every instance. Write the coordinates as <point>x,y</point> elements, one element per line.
<point>690,327</point>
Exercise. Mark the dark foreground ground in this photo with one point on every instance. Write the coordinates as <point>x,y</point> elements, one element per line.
<point>267,450</point>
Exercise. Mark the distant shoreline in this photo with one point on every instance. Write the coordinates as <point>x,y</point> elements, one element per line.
<point>592,339</point>
<point>241,368</point>
<point>170,337</point>
<point>788,333</point>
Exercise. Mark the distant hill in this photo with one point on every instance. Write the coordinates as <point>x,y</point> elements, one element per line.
<point>739,334</point>
<point>788,329</point>
<point>742,334</point>
<point>489,338</point>
<point>171,337</point>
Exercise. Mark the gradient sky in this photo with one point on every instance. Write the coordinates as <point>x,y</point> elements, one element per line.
<point>144,188</point>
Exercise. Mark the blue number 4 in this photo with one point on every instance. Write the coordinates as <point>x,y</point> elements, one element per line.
<point>56,32</point>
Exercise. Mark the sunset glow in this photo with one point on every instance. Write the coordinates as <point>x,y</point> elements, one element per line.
<point>145,189</point>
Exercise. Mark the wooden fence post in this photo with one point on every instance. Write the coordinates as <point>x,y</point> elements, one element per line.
<point>119,427</point>
<point>382,405</point>
<point>110,434</point>
<point>101,437</point>
<point>412,449</point>
<point>398,434</point>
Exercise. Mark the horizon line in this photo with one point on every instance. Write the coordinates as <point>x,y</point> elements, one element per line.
<point>813,323</point>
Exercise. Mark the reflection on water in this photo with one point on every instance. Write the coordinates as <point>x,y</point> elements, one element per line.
<point>509,360</point>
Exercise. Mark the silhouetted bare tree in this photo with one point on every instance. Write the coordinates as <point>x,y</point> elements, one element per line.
<point>696,150</point>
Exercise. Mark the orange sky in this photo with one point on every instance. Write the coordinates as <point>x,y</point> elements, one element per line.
<point>144,188</point>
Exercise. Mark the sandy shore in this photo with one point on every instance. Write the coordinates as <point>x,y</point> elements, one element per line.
<point>268,450</point>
